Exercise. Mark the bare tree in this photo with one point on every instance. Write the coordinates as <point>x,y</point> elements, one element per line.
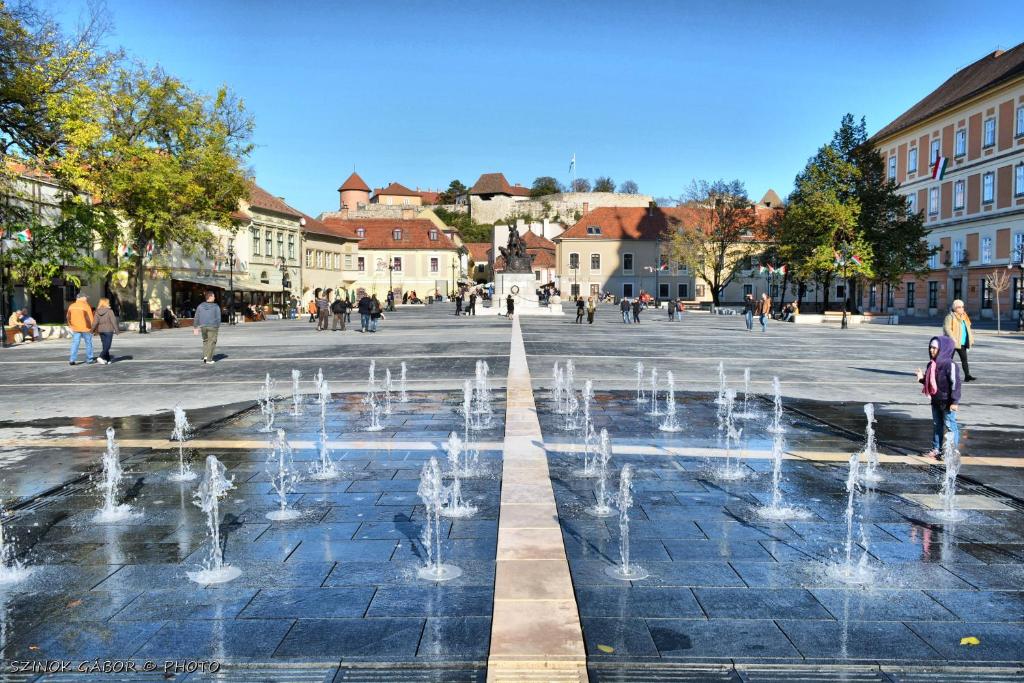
<point>629,187</point>
<point>581,185</point>
<point>998,281</point>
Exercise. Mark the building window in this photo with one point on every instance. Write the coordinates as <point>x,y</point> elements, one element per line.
<point>269,242</point>
<point>748,289</point>
<point>872,295</point>
<point>593,229</point>
<point>627,262</point>
<point>595,262</point>
<point>254,234</point>
<point>958,252</point>
<point>320,260</point>
<point>280,244</point>
<point>291,247</point>
<point>435,264</point>
<point>1018,248</point>
<point>574,261</point>
<point>989,138</point>
<point>840,291</point>
<point>910,295</point>
<point>433,235</point>
<point>933,294</point>
<point>890,296</point>
<point>961,143</point>
<point>396,264</point>
<point>958,288</point>
<point>912,160</point>
<point>684,290</point>
<point>348,261</point>
<point>1018,180</point>
<point>986,250</point>
<point>912,203</point>
<point>574,291</point>
<point>663,290</point>
<point>988,187</point>
<point>309,258</point>
<point>1019,128</point>
<point>986,294</point>
<point>627,290</point>
<point>360,232</point>
<point>337,261</point>
<point>933,201</point>
<point>700,291</point>
<point>892,167</point>
<point>933,154</point>
<point>396,234</point>
<point>933,261</point>
<point>1015,294</point>
<point>536,275</point>
<point>265,278</point>
<point>361,264</point>
<point>958,194</point>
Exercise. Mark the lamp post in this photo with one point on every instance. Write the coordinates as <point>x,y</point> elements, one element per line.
<point>845,250</point>
<point>142,306</point>
<point>575,287</point>
<point>657,272</point>
<point>453,279</point>
<point>284,281</point>
<point>1020,287</point>
<point>3,287</point>
<point>231,281</point>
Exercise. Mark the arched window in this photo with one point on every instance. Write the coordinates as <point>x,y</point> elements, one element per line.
<point>264,278</point>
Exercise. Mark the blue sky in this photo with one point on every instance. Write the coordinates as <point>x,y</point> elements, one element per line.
<point>659,92</point>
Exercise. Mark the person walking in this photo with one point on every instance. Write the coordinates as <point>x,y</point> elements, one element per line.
<point>376,313</point>
<point>591,309</point>
<point>338,313</point>
<point>748,312</point>
<point>624,308</point>
<point>312,305</point>
<point>323,310</point>
<point>580,305</point>
<point>472,303</point>
<point>957,326</point>
<point>390,301</point>
<point>364,313</point>
<point>79,318</point>
<point>510,306</point>
<point>207,323</point>
<point>764,311</point>
<point>105,325</point>
<point>637,306</point>
<point>941,380</point>
<point>458,304</point>
<point>671,308</point>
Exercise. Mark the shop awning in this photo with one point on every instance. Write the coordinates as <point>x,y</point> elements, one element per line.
<point>222,282</point>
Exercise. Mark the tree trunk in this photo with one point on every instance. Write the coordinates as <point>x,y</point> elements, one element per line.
<point>140,282</point>
<point>826,284</point>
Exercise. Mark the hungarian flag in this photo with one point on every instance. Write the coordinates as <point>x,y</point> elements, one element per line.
<point>856,260</point>
<point>125,251</point>
<point>23,236</point>
<point>939,168</point>
<point>761,270</point>
<point>771,269</point>
<point>839,261</point>
<point>149,249</point>
<point>782,269</point>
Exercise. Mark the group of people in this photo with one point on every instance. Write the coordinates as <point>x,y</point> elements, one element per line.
<point>26,324</point>
<point>762,308</point>
<point>324,307</point>
<point>84,322</point>
<point>465,303</point>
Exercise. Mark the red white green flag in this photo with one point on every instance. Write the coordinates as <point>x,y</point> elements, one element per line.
<point>856,260</point>
<point>939,168</point>
<point>23,236</point>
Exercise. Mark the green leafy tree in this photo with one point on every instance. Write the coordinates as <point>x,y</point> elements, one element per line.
<point>581,185</point>
<point>545,185</point>
<point>455,188</point>
<point>716,241</point>
<point>604,184</point>
<point>629,187</point>
<point>166,161</point>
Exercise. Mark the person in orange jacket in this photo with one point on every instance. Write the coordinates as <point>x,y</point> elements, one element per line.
<point>79,318</point>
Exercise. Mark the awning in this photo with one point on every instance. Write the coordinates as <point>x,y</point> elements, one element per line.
<point>221,282</point>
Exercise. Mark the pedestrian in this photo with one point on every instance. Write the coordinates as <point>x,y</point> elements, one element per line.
<point>792,312</point>
<point>748,312</point>
<point>671,310</point>
<point>764,310</point>
<point>636,310</point>
<point>79,318</point>
<point>376,313</point>
<point>105,325</point>
<point>207,323</point>
<point>680,309</point>
<point>312,305</point>
<point>348,308</point>
<point>624,308</point>
<point>510,306</point>
<point>472,303</point>
<point>364,313</point>
<point>941,380</point>
<point>391,300</point>
<point>323,310</point>
<point>338,313</point>
<point>580,305</point>
<point>591,309</point>
<point>458,304</point>
<point>957,326</point>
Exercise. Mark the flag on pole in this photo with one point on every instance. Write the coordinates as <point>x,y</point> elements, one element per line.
<point>856,260</point>
<point>761,270</point>
<point>24,236</point>
<point>125,251</point>
<point>782,269</point>
<point>771,269</point>
<point>839,261</point>
<point>572,163</point>
<point>939,168</point>
<point>149,249</point>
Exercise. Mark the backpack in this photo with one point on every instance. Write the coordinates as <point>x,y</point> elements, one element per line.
<point>337,308</point>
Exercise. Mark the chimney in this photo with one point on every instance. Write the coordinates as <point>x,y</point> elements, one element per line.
<point>586,207</point>
<point>650,208</point>
<point>344,213</point>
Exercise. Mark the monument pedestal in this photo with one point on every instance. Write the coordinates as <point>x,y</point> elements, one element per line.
<point>523,288</point>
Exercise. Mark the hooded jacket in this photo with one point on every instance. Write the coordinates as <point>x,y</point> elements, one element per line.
<point>947,373</point>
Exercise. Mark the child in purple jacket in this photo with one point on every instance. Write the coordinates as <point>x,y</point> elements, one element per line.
<point>941,380</point>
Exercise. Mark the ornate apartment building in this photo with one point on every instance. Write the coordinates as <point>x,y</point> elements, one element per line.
<point>958,154</point>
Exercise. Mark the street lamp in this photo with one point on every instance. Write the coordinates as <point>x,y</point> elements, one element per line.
<point>284,281</point>
<point>844,254</point>
<point>657,272</point>
<point>231,281</point>
<point>454,286</point>
<point>1020,287</point>
<point>391,285</point>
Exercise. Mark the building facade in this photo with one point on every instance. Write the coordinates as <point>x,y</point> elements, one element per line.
<point>328,260</point>
<point>958,156</point>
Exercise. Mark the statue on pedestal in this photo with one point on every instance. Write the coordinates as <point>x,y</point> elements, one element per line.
<point>516,258</point>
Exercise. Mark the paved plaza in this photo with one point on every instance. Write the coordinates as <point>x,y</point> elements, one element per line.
<point>336,593</point>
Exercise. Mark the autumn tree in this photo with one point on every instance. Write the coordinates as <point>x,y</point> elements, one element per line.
<point>715,240</point>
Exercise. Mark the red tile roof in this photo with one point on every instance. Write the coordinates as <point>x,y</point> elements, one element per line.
<point>518,190</point>
<point>354,182</point>
<point>982,75</point>
<point>316,227</point>
<point>642,223</point>
<point>492,183</point>
<point>535,241</point>
<point>479,251</point>
<point>429,196</point>
<point>378,233</point>
<point>261,199</point>
<point>396,190</point>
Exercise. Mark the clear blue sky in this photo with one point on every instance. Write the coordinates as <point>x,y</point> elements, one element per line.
<point>660,92</point>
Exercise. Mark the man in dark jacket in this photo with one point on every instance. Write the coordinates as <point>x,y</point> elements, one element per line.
<point>748,312</point>
<point>207,323</point>
<point>580,305</point>
<point>636,310</point>
<point>364,313</point>
<point>941,380</point>
<point>323,310</point>
<point>624,308</point>
<point>390,301</point>
<point>338,312</point>
<point>472,303</point>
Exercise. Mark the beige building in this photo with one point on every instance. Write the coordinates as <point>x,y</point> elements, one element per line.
<point>328,259</point>
<point>974,211</point>
<point>396,194</point>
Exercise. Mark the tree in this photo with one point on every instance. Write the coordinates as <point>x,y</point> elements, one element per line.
<point>166,161</point>
<point>998,281</point>
<point>580,185</point>
<point>604,184</point>
<point>717,238</point>
<point>463,223</point>
<point>545,185</point>
<point>629,187</point>
<point>455,188</point>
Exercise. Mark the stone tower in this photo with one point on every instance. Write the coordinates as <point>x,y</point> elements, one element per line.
<point>354,192</point>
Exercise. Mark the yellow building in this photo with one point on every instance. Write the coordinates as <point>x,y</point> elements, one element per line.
<point>398,194</point>
<point>328,259</point>
<point>958,155</point>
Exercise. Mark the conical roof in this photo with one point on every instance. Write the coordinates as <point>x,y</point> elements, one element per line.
<point>354,182</point>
